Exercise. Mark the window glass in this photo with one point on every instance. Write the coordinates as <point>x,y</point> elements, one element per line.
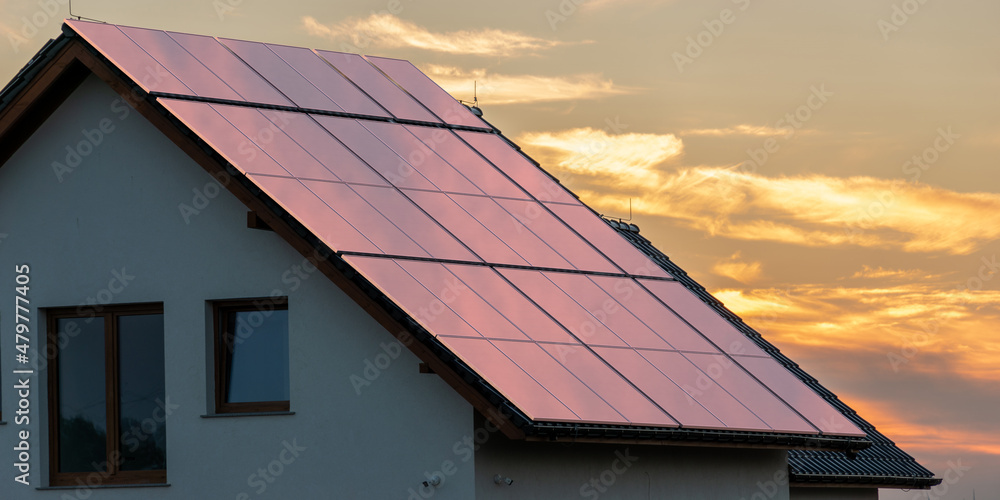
<point>143,435</point>
<point>258,369</point>
<point>83,429</point>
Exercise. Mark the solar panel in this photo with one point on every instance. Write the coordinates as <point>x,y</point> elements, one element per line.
<point>419,302</point>
<point>702,317</point>
<point>668,395</point>
<point>704,389</point>
<point>328,80</point>
<point>825,417</point>
<point>181,64</point>
<point>462,299</point>
<point>374,152</point>
<point>755,397</point>
<point>275,70</point>
<point>420,157</point>
<point>517,167</point>
<point>511,303</point>
<point>329,151</point>
<point>266,132</point>
<point>532,398</point>
<point>594,372</point>
<point>651,312</point>
<point>225,138</point>
<point>509,230</point>
<point>376,85</point>
<point>353,208</point>
<point>557,236</point>
<point>568,389</point>
<point>464,159</point>
<point>392,205</point>
<point>314,214</point>
<point>465,227</point>
<point>230,69</point>
<point>427,92</point>
<point>607,310</point>
<point>574,317</point>
<point>129,57</point>
<point>613,246</point>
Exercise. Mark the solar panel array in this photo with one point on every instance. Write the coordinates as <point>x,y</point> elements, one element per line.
<point>503,265</point>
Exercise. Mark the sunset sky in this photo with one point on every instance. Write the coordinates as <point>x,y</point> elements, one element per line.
<point>826,169</point>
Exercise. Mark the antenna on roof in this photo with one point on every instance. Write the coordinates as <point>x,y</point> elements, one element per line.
<point>81,18</point>
<point>475,100</point>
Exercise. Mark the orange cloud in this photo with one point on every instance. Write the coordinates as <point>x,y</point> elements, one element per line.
<point>498,89</point>
<point>868,272</point>
<point>735,268</point>
<point>900,322</point>
<point>623,161</point>
<point>389,31</point>
<point>809,210</point>
<point>746,129</point>
<point>918,438</point>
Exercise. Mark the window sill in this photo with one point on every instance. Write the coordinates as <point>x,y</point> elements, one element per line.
<point>105,486</point>
<point>248,414</point>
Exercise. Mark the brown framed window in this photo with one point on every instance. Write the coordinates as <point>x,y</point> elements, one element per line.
<point>251,355</point>
<point>107,405</point>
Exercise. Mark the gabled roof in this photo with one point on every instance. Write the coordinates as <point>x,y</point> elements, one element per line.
<point>517,294</point>
<point>882,464</point>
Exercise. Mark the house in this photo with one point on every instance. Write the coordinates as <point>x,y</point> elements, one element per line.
<point>245,270</point>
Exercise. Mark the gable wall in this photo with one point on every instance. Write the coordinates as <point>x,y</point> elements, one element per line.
<point>605,471</point>
<point>813,493</point>
<point>119,211</point>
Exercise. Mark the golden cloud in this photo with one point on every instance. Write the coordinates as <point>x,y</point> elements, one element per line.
<point>389,31</point>
<point>924,438</point>
<point>809,210</point>
<point>902,321</point>
<point>868,272</point>
<point>735,268</point>
<point>746,129</point>
<point>618,160</point>
<point>498,89</point>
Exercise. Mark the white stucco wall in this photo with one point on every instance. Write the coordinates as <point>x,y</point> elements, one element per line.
<point>550,471</point>
<point>119,210</point>
<point>812,493</point>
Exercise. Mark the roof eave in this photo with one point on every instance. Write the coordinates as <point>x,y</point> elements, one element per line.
<point>546,431</point>
<point>861,481</point>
